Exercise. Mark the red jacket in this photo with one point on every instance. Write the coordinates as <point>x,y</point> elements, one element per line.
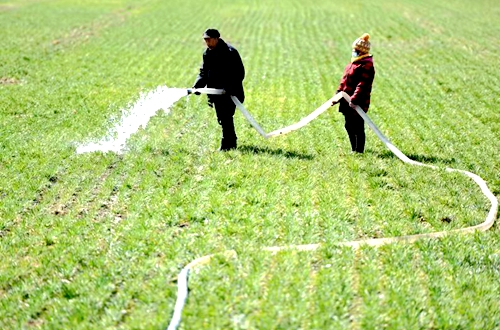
<point>357,82</point>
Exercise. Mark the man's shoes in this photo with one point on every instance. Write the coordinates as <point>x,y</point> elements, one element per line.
<point>227,145</point>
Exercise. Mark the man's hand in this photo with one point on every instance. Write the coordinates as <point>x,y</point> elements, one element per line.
<point>352,105</point>
<point>193,91</point>
<point>334,102</point>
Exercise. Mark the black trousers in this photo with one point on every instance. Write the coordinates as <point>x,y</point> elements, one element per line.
<point>225,108</point>
<point>355,127</point>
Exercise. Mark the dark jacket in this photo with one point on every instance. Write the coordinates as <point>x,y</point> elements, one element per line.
<point>222,68</point>
<point>357,82</point>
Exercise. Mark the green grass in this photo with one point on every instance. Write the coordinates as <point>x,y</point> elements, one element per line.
<point>95,241</point>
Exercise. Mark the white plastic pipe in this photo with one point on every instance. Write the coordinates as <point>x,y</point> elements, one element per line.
<point>237,102</point>
<point>282,131</point>
<point>306,120</point>
<point>485,225</point>
<point>213,91</point>
<point>248,116</point>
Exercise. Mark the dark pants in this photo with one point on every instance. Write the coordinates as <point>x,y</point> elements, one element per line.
<point>225,108</point>
<point>355,127</point>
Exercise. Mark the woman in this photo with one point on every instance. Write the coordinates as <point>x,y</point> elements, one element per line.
<point>357,83</point>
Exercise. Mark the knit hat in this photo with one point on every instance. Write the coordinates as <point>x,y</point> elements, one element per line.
<point>362,44</point>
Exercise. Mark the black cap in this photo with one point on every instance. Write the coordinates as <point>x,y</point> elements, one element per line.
<point>211,33</point>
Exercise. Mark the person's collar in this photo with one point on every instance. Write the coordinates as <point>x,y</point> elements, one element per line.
<point>355,59</point>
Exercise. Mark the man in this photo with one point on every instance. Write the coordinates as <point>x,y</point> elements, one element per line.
<point>357,83</point>
<point>222,68</point>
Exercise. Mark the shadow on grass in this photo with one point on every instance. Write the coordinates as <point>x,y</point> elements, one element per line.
<point>419,158</point>
<point>249,149</point>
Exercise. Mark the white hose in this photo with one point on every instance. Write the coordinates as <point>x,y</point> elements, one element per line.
<point>282,131</point>
<point>237,102</point>
<point>488,222</point>
<point>248,116</point>
<point>306,120</point>
<point>213,91</point>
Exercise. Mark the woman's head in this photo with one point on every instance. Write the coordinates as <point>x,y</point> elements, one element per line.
<point>361,45</point>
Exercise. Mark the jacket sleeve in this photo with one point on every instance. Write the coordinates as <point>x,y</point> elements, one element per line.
<point>236,72</point>
<point>238,66</point>
<point>364,87</point>
<point>201,80</point>
<point>341,84</point>
<point>343,81</point>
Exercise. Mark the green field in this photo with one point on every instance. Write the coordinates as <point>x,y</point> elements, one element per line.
<point>96,240</point>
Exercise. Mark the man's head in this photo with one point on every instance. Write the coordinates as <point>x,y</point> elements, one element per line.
<point>211,37</point>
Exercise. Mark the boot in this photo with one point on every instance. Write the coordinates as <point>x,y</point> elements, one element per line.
<point>360,143</point>
<point>226,144</point>
<point>352,139</point>
<point>228,140</point>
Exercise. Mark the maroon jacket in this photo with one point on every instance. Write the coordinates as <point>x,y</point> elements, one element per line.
<point>357,82</point>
